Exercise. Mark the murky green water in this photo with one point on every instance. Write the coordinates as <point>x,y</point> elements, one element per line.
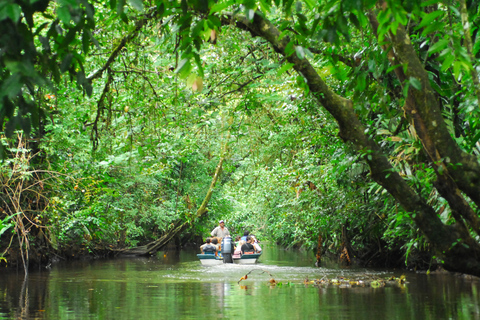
<point>176,286</point>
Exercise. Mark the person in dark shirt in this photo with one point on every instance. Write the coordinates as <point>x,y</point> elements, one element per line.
<point>248,247</point>
<point>209,248</point>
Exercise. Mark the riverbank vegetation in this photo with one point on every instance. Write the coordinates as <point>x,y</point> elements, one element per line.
<point>350,128</point>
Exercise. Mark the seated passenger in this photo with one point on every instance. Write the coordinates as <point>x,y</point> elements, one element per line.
<point>237,240</point>
<point>209,248</point>
<point>256,245</point>
<point>217,244</point>
<point>245,234</point>
<point>238,250</point>
<point>248,247</point>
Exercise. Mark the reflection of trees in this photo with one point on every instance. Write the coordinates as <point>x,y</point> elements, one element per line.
<point>144,288</point>
<point>433,297</point>
<point>22,311</point>
<point>24,297</point>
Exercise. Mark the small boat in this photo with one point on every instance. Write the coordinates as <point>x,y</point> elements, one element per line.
<point>247,258</point>
<point>209,259</point>
<point>226,256</point>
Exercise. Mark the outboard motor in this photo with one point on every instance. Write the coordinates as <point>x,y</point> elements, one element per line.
<point>227,249</point>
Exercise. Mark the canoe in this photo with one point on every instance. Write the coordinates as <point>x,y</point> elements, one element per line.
<point>247,258</point>
<point>209,259</point>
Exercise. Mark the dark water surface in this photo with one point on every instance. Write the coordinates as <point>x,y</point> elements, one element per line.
<point>176,286</point>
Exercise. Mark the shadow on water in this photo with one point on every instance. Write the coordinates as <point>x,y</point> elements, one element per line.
<point>174,285</point>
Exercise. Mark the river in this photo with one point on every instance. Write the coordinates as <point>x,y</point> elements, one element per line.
<point>175,286</point>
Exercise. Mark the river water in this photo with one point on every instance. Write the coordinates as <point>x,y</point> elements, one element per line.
<point>175,286</point>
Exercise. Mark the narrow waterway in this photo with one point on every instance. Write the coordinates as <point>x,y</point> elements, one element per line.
<point>176,286</point>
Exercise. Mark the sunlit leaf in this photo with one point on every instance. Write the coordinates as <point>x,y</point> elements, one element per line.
<point>300,52</point>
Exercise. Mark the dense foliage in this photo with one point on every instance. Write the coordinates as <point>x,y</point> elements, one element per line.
<point>355,123</point>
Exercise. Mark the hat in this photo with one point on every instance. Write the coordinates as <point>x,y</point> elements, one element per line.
<point>221,221</point>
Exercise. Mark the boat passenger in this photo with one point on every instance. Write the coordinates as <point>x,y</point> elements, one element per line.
<point>238,251</point>
<point>248,246</point>
<point>245,234</point>
<point>208,247</point>
<point>255,242</point>
<point>220,231</point>
<point>237,240</point>
<point>217,243</point>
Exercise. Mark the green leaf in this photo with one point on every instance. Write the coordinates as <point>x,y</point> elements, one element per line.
<point>354,20</point>
<point>298,6</point>
<point>12,85</point>
<point>394,26</point>
<point>198,62</point>
<point>393,68</point>
<point>427,19</point>
<point>10,10</point>
<point>332,35</point>
<point>184,68</point>
<point>300,52</point>
<point>161,9</point>
<point>191,79</point>
<point>447,63</point>
<point>250,14</point>
<point>401,17</point>
<point>311,4</point>
<point>416,83</point>
<point>342,26</point>
<point>66,62</point>
<point>64,14</point>
<point>137,4</point>
<point>217,7</point>
<point>457,66</point>
<point>198,28</point>
<point>184,6</point>
<point>284,68</point>
<point>113,4</point>
<point>434,27</point>
<point>120,7</point>
<point>289,49</point>
<point>361,82</point>
<point>405,89</point>
<point>215,21</point>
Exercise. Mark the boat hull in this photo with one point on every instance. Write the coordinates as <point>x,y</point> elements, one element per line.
<point>247,258</point>
<point>209,259</point>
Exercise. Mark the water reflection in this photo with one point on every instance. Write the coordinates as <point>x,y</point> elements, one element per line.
<point>176,286</point>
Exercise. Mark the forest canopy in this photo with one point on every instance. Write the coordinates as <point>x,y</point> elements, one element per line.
<point>339,124</point>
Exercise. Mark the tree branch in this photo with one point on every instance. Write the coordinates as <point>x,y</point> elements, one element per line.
<point>138,26</point>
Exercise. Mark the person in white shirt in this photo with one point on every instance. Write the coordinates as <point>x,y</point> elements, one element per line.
<point>256,245</point>
<point>220,231</point>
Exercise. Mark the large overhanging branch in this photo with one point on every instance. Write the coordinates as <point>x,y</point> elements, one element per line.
<point>139,24</point>
<point>353,131</point>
